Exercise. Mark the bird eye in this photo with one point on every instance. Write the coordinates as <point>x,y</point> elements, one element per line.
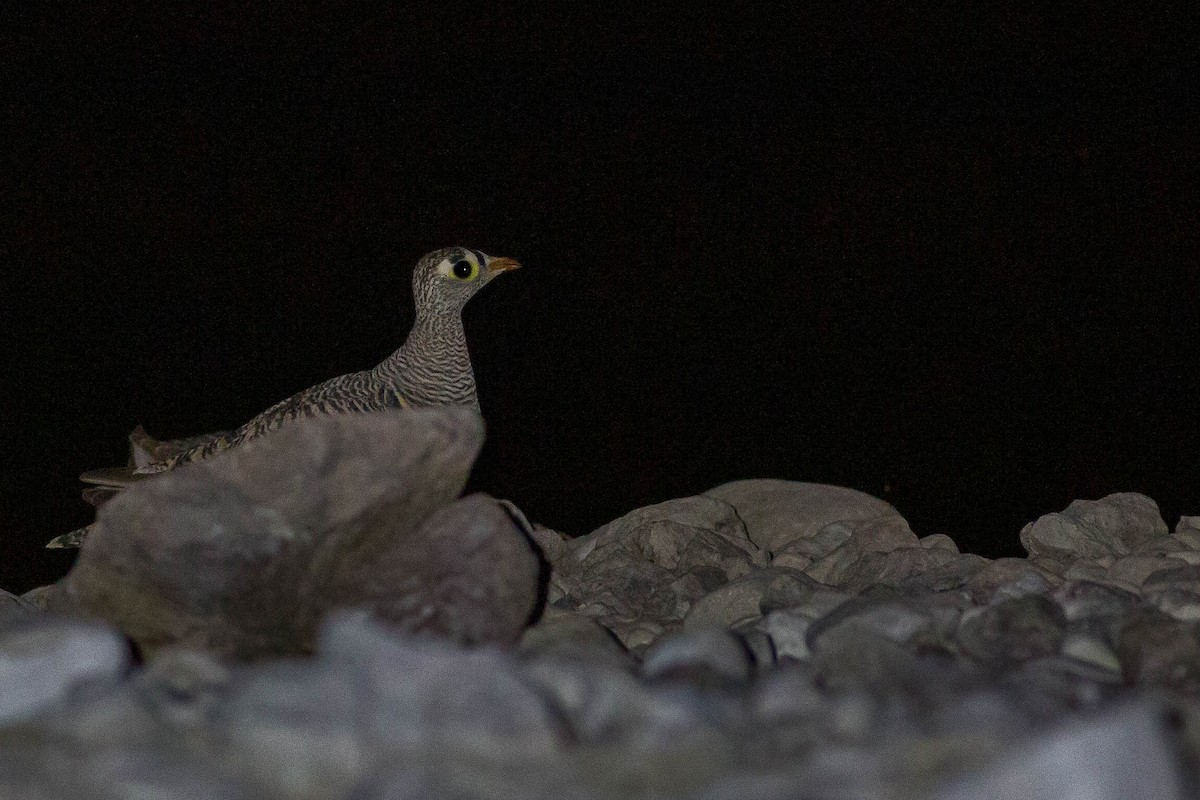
<point>464,270</point>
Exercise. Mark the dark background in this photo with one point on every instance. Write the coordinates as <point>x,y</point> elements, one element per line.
<point>947,257</point>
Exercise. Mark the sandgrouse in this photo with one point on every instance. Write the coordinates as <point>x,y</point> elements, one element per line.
<point>431,368</point>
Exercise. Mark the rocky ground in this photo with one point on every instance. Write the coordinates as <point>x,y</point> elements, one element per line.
<point>318,614</point>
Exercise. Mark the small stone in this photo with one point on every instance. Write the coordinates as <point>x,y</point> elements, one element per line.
<point>43,657</point>
<point>1004,579</point>
<point>1156,650</point>
<point>1090,600</point>
<point>572,635</point>
<point>702,656</point>
<point>788,631</point>
<point>1013,630</point>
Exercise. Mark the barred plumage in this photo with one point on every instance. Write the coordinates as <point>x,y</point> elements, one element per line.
<point>431,368</point>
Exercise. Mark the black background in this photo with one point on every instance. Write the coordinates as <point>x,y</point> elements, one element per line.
<point>944,256</point>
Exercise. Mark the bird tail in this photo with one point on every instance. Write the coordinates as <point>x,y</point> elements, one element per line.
<point>69,540</point>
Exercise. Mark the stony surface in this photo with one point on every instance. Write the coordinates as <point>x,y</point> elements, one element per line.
<point>673,656</point>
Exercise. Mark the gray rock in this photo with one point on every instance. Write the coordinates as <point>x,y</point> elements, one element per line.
<point>570,635</point>
<point>1180,602</point>
<point>1132,571</point>
<point>889,617</point>
<point>1120,755</point>
<point>297,727</point>
<point>1157,650</point>
<point>183,687</point>
<point>1174,577</point>
<point>939,541</point>
<point>412,691</point>
<point>755,786</point>
<point>788,696</point>
<point>651,565</point>
<point>40,597</point>
<point>746,599</point>
<point>467,574</point>
<point>788,631</point>
<point>43,657</point>
<point>801,553</point>
<point>610,708</point>
<point>243,553</point>
<point>1111,526</point>
<point>1004,579</point>
<point>1088,600</point>
<point>15,605</point>
<point>704,656</point>
<point>777,512</point>
<point>913,569</point>
<point>1013,630</point>
<point>31,771</point>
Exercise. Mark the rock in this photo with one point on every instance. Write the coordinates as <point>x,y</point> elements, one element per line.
<point>1173,577</point>
<point>1132,571</point>
<point>29,772</point>
<point>297,727</point>
<point>1111,526</point>
<point>1178,602</point>
<point>1120,755</point>
<point>788,632</point>
<point>570,635</point>
<point>758,785</point>
<point>777,512</point>
<point>608,707</point>
<point>15,605</point>
<point>912,569</point>
<point>745,600</point>
<point>466,574</point>
<point>1013,630</point>
<point>41,596</point>
<point>184,687</point>
<point>412,691</point>
<point>1085,599</point>
<point>703,656</point>
<point>888,616</point>
<point>43,658</point>
<point>648,567</point>
<point>938,541</point>
<point>242,554</point>
<point>801,553</point>
<point>1004,579</point>
<point>1155,649</point>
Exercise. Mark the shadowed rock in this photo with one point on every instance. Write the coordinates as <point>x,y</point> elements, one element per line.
<point>243,553</point>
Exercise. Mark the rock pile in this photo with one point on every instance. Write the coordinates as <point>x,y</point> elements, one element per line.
<point>321,617</point>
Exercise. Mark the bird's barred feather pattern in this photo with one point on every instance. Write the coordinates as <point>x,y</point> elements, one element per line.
<point>431,368</point>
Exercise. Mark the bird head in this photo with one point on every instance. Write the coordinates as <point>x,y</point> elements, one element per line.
<point>444,280</point>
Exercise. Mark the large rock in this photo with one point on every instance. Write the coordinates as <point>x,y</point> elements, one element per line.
<point>242,554</point>
<point>777,512</point>
<point>640,574</point>
<point>1115,525</point>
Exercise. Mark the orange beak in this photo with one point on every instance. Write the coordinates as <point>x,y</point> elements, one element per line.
<point>498,265</point>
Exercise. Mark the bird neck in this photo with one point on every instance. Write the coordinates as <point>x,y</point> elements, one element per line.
<point>433,366</point>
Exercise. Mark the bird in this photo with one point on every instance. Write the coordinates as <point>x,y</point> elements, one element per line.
<point>431,368</point>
